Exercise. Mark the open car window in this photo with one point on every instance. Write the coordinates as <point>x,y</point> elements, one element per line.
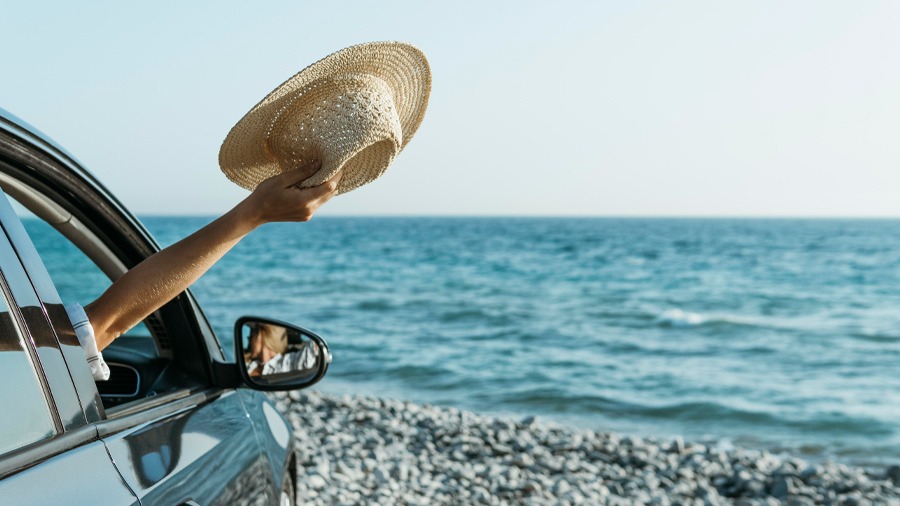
<point>76,277</point>
<point>140,361</point>
<point>75,237</point>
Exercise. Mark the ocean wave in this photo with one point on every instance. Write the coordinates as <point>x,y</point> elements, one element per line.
<point>876,337</point>
<point>553,400</point>
<point>376,305</point>
<point>475,315</point>
<point>693,412</point>
<point>679,318</point>
<point>698,411</point>
<point>561,401</point>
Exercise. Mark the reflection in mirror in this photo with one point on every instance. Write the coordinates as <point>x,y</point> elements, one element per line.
<point>275,354</point>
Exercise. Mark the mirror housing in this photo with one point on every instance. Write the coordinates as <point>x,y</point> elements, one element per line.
<point>274,355</point>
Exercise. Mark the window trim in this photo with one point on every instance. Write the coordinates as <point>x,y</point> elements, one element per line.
<point>35,453</point>
<point>133,414</point>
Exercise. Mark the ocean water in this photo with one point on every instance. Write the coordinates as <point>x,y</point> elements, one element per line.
<point>775,334</point>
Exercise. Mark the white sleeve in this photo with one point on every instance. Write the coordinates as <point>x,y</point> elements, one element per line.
<point>85,333</point>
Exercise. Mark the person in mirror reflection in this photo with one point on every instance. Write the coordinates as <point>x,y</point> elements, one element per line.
<point>162,276</point>
<point>269,352</point>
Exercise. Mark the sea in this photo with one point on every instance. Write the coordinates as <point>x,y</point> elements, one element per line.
<point>776,334</point>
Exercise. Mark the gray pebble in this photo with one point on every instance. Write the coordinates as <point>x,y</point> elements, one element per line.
<point>381,476</point>
<point>316,482</point>
<point>782,486</point>
<point>893,474</point>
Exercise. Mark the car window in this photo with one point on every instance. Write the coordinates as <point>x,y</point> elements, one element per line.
<point>25,417</point>
<point>140,361</point>
<point>77,279</point>
<point>78,241</point>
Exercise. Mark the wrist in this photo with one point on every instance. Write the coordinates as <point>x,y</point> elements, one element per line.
<point>247,215</point>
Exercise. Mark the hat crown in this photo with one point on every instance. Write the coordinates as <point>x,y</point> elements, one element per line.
<point>332,120</point>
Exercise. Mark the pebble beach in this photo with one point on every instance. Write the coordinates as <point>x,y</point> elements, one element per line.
<point>367,450</point>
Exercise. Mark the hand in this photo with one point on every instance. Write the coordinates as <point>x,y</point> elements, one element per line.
<point>280,197</point>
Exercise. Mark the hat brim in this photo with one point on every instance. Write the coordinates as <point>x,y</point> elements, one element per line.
<point>244,157</point>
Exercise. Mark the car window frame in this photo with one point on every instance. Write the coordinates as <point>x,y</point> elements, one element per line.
<point>42,167</point>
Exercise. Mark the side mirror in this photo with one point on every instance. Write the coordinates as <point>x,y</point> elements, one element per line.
<point>274,355</point>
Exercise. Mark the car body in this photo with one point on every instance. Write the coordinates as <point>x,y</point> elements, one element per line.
<point>176,424</point>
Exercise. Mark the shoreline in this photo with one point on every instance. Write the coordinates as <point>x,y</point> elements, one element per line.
<point>363,450</point>
<point>809,451</point>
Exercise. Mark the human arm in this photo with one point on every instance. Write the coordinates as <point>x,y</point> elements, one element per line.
<point>163,275</point>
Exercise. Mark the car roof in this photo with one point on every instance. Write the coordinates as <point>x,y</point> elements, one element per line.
<point>26,127</point>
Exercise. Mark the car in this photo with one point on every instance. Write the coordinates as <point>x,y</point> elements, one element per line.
<point>177,423</point>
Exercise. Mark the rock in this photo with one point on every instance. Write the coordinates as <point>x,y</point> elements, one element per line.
<point>677,445</point>
<point>561,487</point>
<point>464,473</point>
<point>753,488</point>
<point>481,495</point>
<point>893,473</point>
<point>316,482</point>
<point>808,472</point>
<point>782,486</point>
<point>799,501</point>
<point>532,488</point>
<point>522,460</point>
<point>381,476</point>
<point>369,464</point>
<point>552,464</point>
<point>324,468</point>
<point>501,449</point>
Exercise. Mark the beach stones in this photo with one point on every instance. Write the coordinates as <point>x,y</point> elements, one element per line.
<point>359,450</point>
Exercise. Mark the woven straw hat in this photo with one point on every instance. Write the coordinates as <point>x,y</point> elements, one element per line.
<point>353,110</point>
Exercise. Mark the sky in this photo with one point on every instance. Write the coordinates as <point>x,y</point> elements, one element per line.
<point>594,108</point>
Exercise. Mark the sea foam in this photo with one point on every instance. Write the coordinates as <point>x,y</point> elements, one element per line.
<point>679,318</point>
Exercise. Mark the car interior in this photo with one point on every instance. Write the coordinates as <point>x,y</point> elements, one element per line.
<point>143,363</point>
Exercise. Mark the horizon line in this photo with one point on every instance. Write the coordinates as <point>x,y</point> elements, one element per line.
<point>558,216</point>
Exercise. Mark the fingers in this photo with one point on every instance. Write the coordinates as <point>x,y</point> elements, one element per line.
<point>309,169</point>
<point>326,190</point>
<point>299,174</point>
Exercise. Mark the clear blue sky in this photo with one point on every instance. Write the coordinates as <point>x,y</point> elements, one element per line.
<point>661,108</point>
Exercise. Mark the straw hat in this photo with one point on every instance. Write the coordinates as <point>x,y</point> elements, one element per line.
<point>353,110</point>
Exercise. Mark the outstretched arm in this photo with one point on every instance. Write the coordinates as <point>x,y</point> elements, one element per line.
<point>165,274</point>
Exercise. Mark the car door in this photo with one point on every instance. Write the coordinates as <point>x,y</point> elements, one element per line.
<point>49,453</point>
<point>199,449</point>
<point>177,438</point>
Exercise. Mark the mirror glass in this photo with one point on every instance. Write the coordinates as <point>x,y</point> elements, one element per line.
<point>281,355</point>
